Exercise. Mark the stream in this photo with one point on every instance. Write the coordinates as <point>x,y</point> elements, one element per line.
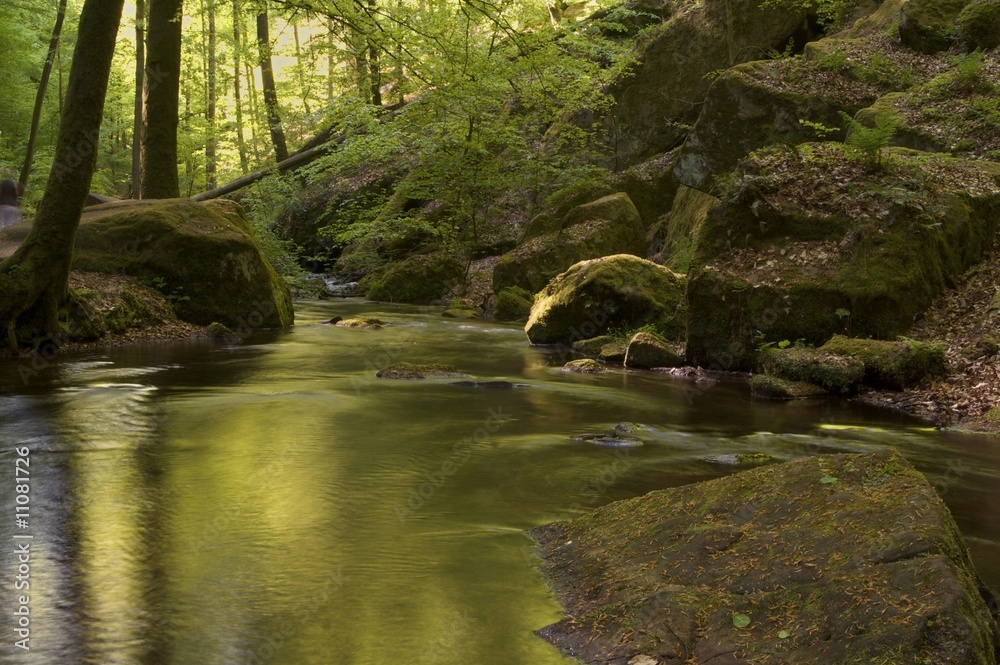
<point>271,501</point>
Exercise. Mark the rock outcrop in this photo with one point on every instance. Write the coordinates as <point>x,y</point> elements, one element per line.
<point>825,560</point>
<point>610,225</point>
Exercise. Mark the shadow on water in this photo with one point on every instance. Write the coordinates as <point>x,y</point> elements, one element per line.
<point>274,502</point>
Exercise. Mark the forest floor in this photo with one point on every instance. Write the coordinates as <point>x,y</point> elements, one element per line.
<point>965,320</point>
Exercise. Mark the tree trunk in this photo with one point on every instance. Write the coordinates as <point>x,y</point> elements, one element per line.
<point>34,281</point>
<point>300,71</point>
<point>210,145</point>
<point>140,70</point>
<point>270,91</point>
<point>43,84</point>
<point>330,63</point>
<point>162,89</point>
<point>241,143</point>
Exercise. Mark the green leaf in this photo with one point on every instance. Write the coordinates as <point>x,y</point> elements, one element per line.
<point>741,620</point>
<point>784,634</point>
<point>829,480</point>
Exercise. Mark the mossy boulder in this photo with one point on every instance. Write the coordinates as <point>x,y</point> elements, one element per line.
<point>840,375</point>
<point>363,323</point>
<point>751,106</point>
<point>674,237</point>
<point>203,256</point>
<point>979,25</point>
<point>610,225</point>
<point>893,365</point>
<point>419,279</point>
<point>513,304</point>
<point>607,348</point>
<point>660,99</point>
<point>771,387</point>
<point>810,245</point>
<point>620,291</point>
<point>930,26</point>
<point>647,350</point>
<point>584,366</point>
<point>412,371</point>
<point>826,560</point>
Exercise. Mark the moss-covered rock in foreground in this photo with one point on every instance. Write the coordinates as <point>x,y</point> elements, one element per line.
<point>893,365</point>
<point>647,350</point>
<point>620,291</point>
<point>833,559</point>
<point>418,371</point>
<point>816,242</point>
<point>418,279</point>
<point>201,255</point>
<point>610,225</point>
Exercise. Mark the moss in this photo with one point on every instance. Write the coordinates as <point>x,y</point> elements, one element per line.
<point>608,348</point>
<point>770,387</point>
<point>513,304</point>
<point>417,371</point>
<point>610,225</point>
<point>585,366</point>
<point>979,25</point>
<point>817,244</point>
<point>420,279</point>
<point>130,312</point>
<point>836,374</point>
<point>595,296</point>
<point>929,26</point>
<point>216,330</point>
<point>894,365</point>
<point>647,350</point>
<point>364,322</point>
<point>203,255</point>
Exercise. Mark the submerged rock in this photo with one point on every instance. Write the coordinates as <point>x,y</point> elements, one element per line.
<point>615,291</point>
<point>770,387</point>
<point>417,371</point>
<point>492,385</point>
<point>610,440</point>
<point>825,560</point>
<point>364,322</point>
<point>585,366</point>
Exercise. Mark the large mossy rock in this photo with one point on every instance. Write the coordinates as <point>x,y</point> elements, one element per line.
<point>813,243</point>
<point>826,560</point>
<point>647,350</point>
<point>610,225</point>
<point>657,104</point>
<point>834,373</point>
<point>894,365</point>
<point>930,26</point>
<point>594,296</point>
<point>201,255</point>
<point>419,279</point>
<point>979,25</point>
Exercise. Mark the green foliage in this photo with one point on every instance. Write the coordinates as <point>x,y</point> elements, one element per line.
<point>681,253</point>
<point>266,201</point>
<point>870,141</point>
<point>818,128</point>
<point>827,11</point>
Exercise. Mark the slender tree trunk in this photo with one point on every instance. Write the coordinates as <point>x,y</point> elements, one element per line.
<point>140,71</point>
<point>375,70</point>
<point>241,143</point>
<point>270,91</point>
<point>330,63</point>
<point>159,178</point>
<point>254,115</point>
<point>300,71</point>
<point>210,145</point>
<point>34,281</point>
<point>43,84</point>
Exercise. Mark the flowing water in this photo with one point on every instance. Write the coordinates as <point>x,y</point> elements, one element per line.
<point>271,501</point>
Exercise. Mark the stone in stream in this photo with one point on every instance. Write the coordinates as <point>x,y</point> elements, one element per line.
<point>584,366</point>
<point>611,440</point>
<point>829,559</point>
<point>418,371</point>
<point>363,322</point>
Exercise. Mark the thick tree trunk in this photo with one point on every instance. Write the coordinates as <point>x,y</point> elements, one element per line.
<point>159,130</point>
<point>270,91</point>
<point>34,281</point>
<point>43,84</point>
<point>140,71</point>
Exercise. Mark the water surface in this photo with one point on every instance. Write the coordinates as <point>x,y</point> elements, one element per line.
<point>271,501</point>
